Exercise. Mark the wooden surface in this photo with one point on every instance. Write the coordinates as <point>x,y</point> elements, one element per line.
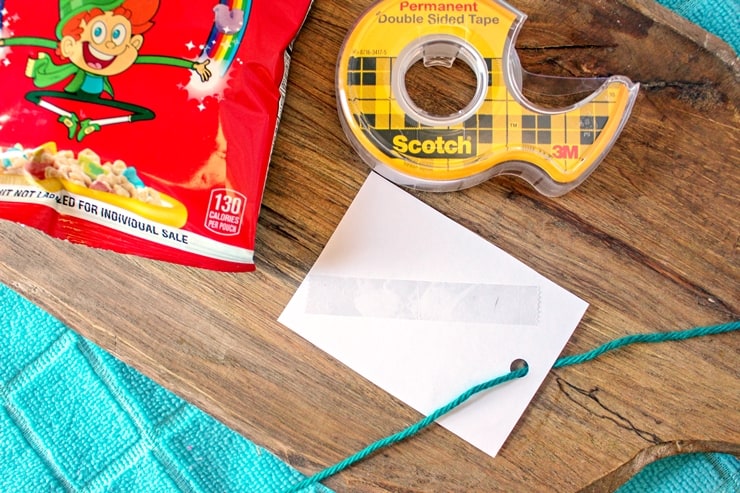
<point>650,240</point>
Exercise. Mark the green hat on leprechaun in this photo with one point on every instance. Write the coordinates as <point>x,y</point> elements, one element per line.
<point>70,8</point>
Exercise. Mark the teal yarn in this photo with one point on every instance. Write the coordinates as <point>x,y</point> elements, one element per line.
<point>406,433</point>
<point>562,362</point>
<point>654,337</point>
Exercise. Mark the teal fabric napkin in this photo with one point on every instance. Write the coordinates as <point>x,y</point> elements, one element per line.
<point>73,418</point>
<point>719,17</point>
<point>688,473</point>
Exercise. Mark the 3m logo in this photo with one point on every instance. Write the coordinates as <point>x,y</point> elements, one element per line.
<point>565,152</point>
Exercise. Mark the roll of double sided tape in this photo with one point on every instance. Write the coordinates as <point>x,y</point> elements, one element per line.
<point>498,132</point>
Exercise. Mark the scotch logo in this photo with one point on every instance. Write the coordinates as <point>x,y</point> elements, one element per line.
<point>434,147</point>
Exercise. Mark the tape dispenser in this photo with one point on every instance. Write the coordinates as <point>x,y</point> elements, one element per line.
<point>500,131</point>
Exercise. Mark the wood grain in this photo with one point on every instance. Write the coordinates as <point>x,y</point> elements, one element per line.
<point>650,240</point>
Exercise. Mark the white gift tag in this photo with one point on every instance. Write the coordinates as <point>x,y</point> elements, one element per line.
<point>426,309</point>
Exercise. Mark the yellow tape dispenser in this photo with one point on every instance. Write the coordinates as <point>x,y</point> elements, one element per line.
<point>498,132</point>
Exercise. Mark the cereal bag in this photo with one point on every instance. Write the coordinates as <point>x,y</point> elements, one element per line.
<point>143,126</point>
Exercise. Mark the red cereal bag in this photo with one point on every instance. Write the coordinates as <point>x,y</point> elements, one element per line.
<point>143,126</point>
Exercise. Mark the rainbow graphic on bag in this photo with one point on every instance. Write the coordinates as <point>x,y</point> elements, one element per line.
<point>227,32</point>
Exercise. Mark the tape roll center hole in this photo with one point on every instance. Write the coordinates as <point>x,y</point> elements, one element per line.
<point>440,80</point>
<point>442,89</point>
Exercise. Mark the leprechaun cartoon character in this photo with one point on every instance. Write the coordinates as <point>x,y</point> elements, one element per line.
<point>96,39</point>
